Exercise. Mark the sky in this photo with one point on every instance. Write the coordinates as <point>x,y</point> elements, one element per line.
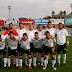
<point>33,8</point>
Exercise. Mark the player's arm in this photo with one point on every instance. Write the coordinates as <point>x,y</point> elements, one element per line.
<point>53,49</point>
<point>52,37</point>
<point>67,37</point>
<point>67,40</point>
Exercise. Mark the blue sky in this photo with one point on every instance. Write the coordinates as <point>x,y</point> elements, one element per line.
<point>33,8</point>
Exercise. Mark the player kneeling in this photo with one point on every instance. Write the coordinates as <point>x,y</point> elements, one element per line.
<point>25,48</point>
<point>49,46</point>
<point>12,47</point>
<point>3,49</point>
<point>37,43</point>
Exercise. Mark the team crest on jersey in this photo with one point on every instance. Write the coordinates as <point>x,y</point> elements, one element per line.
<point>50,41</point>
<point>33,32</point>
<point>51,30</point>
<point>62,32</point>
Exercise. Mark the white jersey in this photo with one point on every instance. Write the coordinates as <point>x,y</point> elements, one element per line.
<point>11,43</point>
<point>61,36</point>
<point>49,42</point>
<point>2,42</point>
<point>20,32</point>
<point>52,31</point>
<point>31,33</point>
<point>25,44</point>
<point>37,43</point>
<point>41,33</point>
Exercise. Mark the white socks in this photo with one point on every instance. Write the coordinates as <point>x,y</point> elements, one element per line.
<point>20,62</point>
<point>30,61</point>
<point>64,58</point>
<point>5,62</point>
<point>16,62</point>
<point>42,59</point>
<point>47,57</point>
<point>55,59</point>
<point>45,63</point>
<point>53,63</point>
<point>34,60</point>
<point>39,56</point>
<point>9,60</point>
<point>26,57</point>
<point>59,56</point>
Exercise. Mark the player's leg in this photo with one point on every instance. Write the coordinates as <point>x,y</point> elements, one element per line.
<point>34,59</point>
<point>20,61</point>
<point>45,63</point>
<point>29,59</point>
<point>59,51</point>
<point>39,57</point>
<point>26,57</point>
<point>47,58</point>
<point>16,57</point>
<point>55,55</point>
<point>52,52</point>
<point>4,57</point>
<point>42,60</point>
<point>9,56</point>
<point>64,49</point>
<point>21,52</point>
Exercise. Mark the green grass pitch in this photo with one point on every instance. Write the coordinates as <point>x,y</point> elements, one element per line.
<point>61,68</point>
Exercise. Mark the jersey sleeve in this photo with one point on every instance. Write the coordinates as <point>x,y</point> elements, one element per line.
<point>66,33</point>
<point>54,40</point>
<point>6,32</point>
<point>4,37</point>
<point>15,33</point>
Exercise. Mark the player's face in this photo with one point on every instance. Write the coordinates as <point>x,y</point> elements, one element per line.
<point>47,35</point>
<point>10,26</point>
<point>49,25</point>
<point>31,27</point>
<point>21,25</point>
<point>36,36</point>
<point>40,28</point>
<point>25,37</point>
<point>11,35</point>
<point>60,26</point>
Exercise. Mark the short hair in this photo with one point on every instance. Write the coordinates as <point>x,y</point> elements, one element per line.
<point>10,24</point>
<point>24,33</point>
<point>36,32</point>
<point>0,35</point>
<point>47,32</point>
<point>20,23</point>
<point>30,24</point>
<point>49,22</point>
<point>39,25</point>
<point>60,23</point>
<point>10,32</point>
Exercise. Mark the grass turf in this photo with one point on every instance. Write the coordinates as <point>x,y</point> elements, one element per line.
<point>61,68</point>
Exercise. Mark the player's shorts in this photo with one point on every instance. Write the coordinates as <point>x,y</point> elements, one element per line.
<point>12,52</point>
<point>38,50</point>
<point>61,48</point>
<point>3,51</point>
<point>47,50</point>
<point>18,46</point>
<point>31,47</point>
<point>22,51</point>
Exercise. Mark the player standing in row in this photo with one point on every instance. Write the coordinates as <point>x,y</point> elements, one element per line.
<point>12,47</point>
<point>49,47</point>
<point>15,33</point>
<point>25,48</point>
<point>41,32</point>
<point>52,32</point>
<point>62,37</point>
<point>37,43</point>
<point>3,49</point>
<point>20,31</point>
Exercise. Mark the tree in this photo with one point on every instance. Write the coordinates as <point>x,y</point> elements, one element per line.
<point>53,12</point>
<point>64,12</point>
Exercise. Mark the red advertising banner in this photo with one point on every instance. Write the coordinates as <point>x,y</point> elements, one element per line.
<point>27,22</point>
<point>1,22</point>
